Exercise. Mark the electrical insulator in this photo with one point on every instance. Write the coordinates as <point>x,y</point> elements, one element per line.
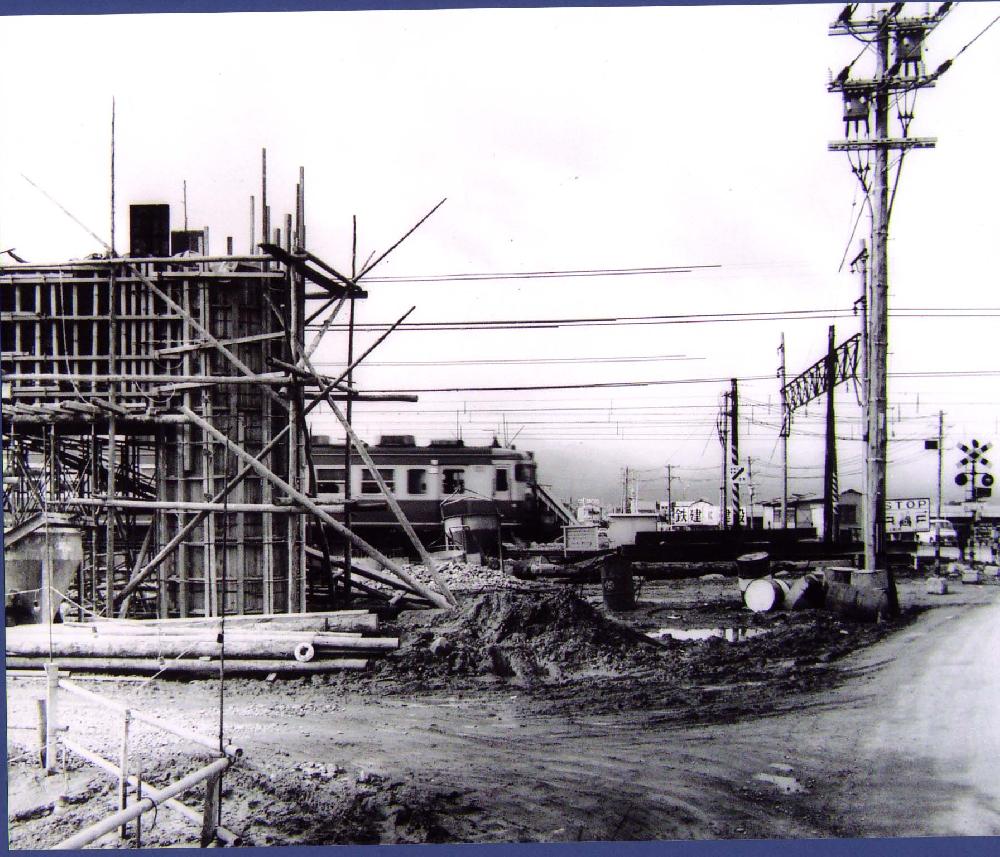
<point>857,106</point>
<point>910,50</point>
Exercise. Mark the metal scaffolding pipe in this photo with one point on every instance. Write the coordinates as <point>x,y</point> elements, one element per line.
<point>225,835</point>
<point>230,750</point>
<point>106,825</point>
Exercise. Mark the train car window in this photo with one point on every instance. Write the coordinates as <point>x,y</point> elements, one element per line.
<point>329,480</point>
<point>503,479</point>
<point>416,481</point>
<point>370,486</point>
<point>524,472</point>
<point>454,481</point>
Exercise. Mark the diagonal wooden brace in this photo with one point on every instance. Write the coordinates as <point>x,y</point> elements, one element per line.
<point>314,508</point>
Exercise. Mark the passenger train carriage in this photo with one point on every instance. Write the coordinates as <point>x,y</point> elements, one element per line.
<point>436,481</point>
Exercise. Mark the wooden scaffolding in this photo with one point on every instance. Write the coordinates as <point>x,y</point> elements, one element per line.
<point>161,400</point>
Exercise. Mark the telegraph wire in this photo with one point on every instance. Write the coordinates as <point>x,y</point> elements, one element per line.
<point>690,318</point>
<point>537,275</point>
<point>981,373</point>
<point>520,360</point>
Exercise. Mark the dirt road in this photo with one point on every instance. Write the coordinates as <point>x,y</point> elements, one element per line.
<point>905,744</point>
<point>917,729</point>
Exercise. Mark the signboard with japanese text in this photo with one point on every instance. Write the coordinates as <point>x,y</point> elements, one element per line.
<point>578,539</point>
<point>911,515</point>
<point>697,514</point>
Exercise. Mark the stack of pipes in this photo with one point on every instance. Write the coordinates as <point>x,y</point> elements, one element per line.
<point>272,643</point>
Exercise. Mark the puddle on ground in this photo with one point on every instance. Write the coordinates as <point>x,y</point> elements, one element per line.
<point>788,785</point>
<point>732,635</point>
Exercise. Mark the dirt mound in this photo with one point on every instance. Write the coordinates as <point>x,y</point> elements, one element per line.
<point>524,636</point>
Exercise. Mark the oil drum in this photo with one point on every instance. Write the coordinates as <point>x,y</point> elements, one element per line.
<point>617,584</point>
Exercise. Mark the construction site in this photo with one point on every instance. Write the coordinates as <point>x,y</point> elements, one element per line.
<point>229,624</point>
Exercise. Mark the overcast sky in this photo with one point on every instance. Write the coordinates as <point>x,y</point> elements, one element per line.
<point>563,139</point>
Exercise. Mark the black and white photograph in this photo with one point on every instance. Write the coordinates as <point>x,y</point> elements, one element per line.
<point>464,425</point>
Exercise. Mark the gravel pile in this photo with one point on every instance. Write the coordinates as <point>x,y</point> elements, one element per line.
<point>467,577</point>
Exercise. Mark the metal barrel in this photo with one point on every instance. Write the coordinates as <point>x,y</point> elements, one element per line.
<point>617,583</point>
<point>753,565</point>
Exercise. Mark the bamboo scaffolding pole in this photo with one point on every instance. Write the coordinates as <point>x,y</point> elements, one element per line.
<point>249,618</point>
<point>119,262</point>
<point>394,505</point>
<point>271,378</point>
<point>195,506</point>
<point>110,630</point>
<point>243,473</point>
<point>372,575</point>
<point>301,498</point>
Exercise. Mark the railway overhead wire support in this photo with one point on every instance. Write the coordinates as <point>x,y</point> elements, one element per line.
<point>899,73</point>
<point>838,366</point>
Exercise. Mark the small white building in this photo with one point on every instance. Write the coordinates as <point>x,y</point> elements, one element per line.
<point>623,526</point>
<point>807,512</point>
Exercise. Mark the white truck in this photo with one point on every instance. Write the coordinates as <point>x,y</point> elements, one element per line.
<point>941,534</point>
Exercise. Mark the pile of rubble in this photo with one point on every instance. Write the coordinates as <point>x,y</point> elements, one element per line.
<point>536,633</point>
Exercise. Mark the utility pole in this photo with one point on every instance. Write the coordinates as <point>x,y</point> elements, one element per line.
<point>734,452</point>
<point>750,487</point>
<point>883,30</point>
<point>723,427</point>
<point>670,500</point>
<point>786,425</point>
<point>830,460</point>
<point>860,266</point>
<point>878,437</point>
<point>937,526</point>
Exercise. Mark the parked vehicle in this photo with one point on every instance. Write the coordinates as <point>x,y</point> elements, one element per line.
<point>940,540</point>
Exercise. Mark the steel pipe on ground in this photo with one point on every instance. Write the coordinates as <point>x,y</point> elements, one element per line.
<point>225,835</point>
<point>107,825</point>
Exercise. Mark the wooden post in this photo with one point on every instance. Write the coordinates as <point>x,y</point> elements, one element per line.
<point>52,715</point>
<point>210,814</point>
<point>106,825</point>
<point>42,732</point>
<point>123,769</point>
<point>138,794</point>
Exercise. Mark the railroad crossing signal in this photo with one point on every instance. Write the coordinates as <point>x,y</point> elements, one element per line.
<point>980,483</point>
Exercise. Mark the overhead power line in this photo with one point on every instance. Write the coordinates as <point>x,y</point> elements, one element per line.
<point>978,373</point>
<point>525,360</point>
<point>539,275</point>
<point>680,318</point>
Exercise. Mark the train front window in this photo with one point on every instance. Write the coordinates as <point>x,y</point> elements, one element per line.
<point>416,481</point>
<point>329,480</point>
<point>524,472</point>
<point>454,481</point>
<point>503,480</point>
<point>370,486</point>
